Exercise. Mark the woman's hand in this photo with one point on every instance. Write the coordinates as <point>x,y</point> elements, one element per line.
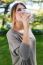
<point>24,17</point>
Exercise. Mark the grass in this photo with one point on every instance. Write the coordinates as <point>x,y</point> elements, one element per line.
<point>39,45</point>
<point>5,58</point>
<point>4,52</point>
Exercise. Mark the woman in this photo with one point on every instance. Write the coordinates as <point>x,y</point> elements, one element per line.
<point>21,44</point>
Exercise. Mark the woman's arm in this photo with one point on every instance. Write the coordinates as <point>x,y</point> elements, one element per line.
<point>25,48</point>
<point>26,34</point>
<point>25,19</point>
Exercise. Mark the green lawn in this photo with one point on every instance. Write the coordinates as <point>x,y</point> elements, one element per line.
<point>5,55</point>
<point>4,52</point>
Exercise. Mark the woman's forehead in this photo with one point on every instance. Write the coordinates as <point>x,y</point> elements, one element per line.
<point>20,6</point>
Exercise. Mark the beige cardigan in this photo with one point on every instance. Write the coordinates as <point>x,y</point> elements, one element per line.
<point>21,54</point>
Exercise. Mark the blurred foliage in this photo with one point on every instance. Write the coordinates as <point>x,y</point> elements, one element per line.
<point>1,16</point>
<point>7,1</point>
<point>21,0</point>
<point>24,0</point>
<point>38,18</point>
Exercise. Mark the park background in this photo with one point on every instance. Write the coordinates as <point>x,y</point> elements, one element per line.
<point>5,25</point>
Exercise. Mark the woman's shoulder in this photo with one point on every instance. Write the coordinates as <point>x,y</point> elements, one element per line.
<point>12,34</point>
<point>9,32</point>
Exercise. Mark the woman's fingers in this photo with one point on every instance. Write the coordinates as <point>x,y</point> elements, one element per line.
<point>24,16</point>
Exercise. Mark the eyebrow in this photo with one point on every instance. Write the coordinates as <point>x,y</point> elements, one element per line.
<point>22,8</point>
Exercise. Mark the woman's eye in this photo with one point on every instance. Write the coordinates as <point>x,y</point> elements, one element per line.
<point>19,9</point>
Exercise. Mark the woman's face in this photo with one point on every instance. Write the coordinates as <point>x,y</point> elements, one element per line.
<point>19,23</point>
<point>18,12</point>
